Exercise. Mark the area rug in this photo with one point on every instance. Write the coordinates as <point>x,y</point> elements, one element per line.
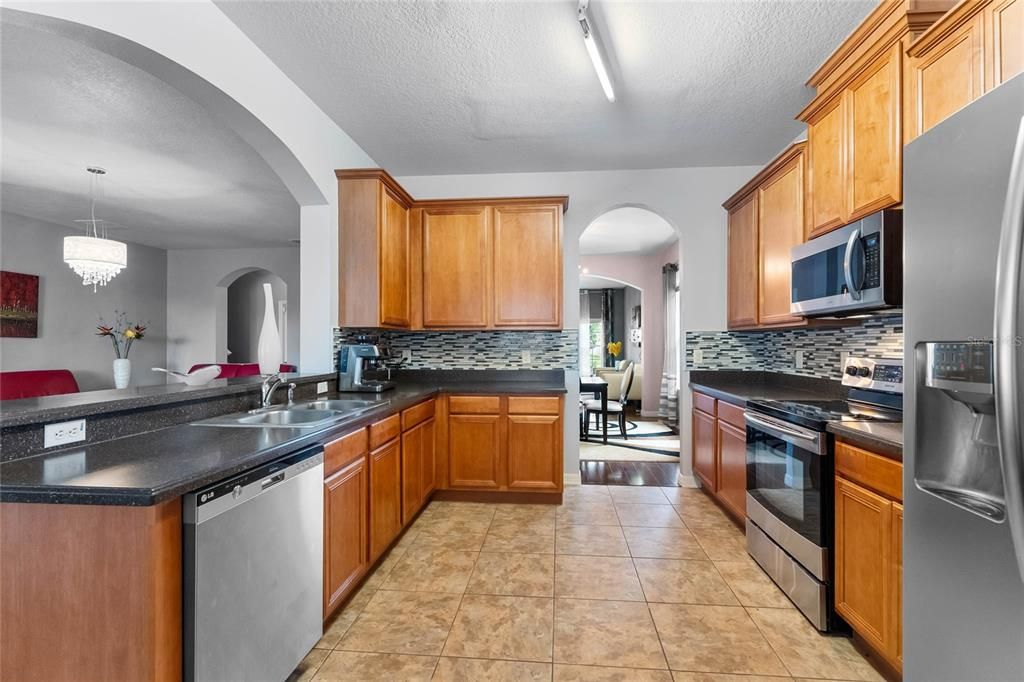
<point>596,452</point>
<point>648,436</point>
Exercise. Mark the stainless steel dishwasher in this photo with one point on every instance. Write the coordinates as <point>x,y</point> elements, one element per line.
<point>253,573</point>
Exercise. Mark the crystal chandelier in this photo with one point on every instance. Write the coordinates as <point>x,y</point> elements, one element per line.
<point>93,257</point>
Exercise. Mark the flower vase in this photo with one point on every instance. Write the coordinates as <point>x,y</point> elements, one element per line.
<point>268,350</point>
<point>122,372</point>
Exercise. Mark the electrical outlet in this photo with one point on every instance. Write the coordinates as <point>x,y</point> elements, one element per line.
<point>798,359</point>
<point>406,355</point>
<point>842,359</point>
<point>526,357</point>
<point>698,356</point>
<point>321,387</point>
<point>63,433</point>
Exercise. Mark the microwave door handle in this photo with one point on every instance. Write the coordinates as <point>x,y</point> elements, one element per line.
<point>852,244</point>
<point>1005,335</point>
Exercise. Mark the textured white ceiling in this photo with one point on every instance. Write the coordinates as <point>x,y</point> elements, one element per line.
<point>626,230</point>
<point>445,86</point>
<point>177,177</point>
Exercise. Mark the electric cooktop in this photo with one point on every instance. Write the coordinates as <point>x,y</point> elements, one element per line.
<point>815,414</point>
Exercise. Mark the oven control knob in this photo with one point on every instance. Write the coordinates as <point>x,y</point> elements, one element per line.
<point>851,370</point>
<point>863,372</point>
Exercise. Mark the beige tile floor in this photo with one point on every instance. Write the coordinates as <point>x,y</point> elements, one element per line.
<point>614,584</point>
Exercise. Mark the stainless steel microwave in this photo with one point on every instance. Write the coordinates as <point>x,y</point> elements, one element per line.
<point>855,269</point>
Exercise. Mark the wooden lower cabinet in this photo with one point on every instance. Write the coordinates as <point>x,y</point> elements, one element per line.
<point>869,551</point>
<point>346,556</point>
<point>474,451</point>
<point>704,439</point>
<point>385,496</point>
<point>417,468</point>
<point>532,442</point>
<point>732,468</point>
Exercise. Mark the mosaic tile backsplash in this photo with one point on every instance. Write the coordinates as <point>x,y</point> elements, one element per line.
<point>773,351</point>
<point>476,350</point>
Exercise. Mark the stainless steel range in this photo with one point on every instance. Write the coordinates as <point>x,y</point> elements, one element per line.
<point>790,480</point>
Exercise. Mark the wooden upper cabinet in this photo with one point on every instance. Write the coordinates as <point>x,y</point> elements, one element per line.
<point>743,256</point>
<point>875,138</point>
<point>781,223</point>
<point>826,186</point>
<point>975,47</point>
<point>374,244</point>
<point>528,266</point>
<point>456,267</point>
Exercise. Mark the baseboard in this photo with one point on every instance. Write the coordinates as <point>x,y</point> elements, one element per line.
<point>572,478</point>
<point>686,481</point>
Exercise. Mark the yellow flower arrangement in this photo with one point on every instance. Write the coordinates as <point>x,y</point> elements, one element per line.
<point>614,348</point>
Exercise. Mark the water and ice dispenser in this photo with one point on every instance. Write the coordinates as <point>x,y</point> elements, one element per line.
<point>957,446</point>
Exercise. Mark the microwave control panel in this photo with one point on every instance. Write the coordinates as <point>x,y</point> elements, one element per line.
<point>872,260</point>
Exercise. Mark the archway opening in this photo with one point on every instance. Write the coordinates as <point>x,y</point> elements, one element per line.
<point>246,309</point>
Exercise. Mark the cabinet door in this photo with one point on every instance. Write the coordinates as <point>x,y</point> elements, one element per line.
<point>743,263</point>
<point>1005,36</point>
<point>428,464</point>
<point>534,452</point>
<point>394,261</point>
<point>863,549</point>
<point>826,169</point>
<point>456,267</point>
<point>704,466</point>
<point>896,644</point>
<point>781,225</point>
<point>385,496</point>
<point>947,78</point>
<point>345,532</point>
<point>528,266</point>
<point>412,472</point>
<point>732,468</point>
<point>874,161</point>
<point>474,450</point>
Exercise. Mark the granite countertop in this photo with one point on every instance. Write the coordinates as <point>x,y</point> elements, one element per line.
<point>885,438</point>
<point>149,468</point>
<point>88,403</point>
<point>738,387</point>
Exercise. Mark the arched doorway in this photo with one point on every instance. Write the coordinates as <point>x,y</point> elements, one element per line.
<point>246,307</point>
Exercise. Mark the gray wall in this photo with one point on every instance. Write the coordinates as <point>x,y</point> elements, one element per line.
<point>246,303</point>
<point>69,312</point>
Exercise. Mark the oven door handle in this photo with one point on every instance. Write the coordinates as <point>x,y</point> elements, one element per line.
<point>790,434</point>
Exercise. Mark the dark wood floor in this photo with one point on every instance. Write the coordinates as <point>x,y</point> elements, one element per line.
<point>629,473</point>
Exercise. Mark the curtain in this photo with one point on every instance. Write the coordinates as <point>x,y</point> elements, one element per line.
<point>668,405</point>
<point>584,345</point>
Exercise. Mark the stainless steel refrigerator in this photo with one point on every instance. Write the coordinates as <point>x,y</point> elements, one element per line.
<point>963,534</point>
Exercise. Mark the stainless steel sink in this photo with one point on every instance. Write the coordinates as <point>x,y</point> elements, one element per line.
<point>296,416</point>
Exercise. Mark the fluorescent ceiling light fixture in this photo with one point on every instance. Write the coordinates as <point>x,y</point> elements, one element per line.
<point>595,52</point>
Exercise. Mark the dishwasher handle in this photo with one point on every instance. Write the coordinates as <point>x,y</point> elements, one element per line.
<point>213,500</point>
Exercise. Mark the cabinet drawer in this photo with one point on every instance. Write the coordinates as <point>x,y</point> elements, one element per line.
<point>384,430</point>
<point>417,414</point>
<point>474,404</point>
<point>704,403</point>
<point>731,414</point>
<point>340,452</point>
<point>534,405</point>
<point>870,470</point>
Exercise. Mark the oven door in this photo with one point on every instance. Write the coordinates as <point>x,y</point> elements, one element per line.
<point>839,272</point>
<point>789,479</point>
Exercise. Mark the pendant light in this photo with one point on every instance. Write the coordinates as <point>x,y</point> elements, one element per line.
<point>93,257</point>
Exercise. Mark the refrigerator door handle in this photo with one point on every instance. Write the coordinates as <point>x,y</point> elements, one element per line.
<point>1006,337</point>
<point>852,244</point>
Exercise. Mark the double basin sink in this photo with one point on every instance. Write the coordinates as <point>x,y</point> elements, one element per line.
<point>307,415</point>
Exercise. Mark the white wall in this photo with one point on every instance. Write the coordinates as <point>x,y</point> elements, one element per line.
<point>69,311</point>
<point>246,307</point>
<point>690,199</point>
<point>197,281</point>
<point>632,297</point>
<point>196,48</point>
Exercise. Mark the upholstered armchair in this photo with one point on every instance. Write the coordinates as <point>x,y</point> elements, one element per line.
<point>613,375</point>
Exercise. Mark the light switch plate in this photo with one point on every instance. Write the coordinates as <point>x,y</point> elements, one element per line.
<point>63,433</point>
<point>321,387</point>
<point>526,357</point>
<point>698,356</point>
<point>798,359</point>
